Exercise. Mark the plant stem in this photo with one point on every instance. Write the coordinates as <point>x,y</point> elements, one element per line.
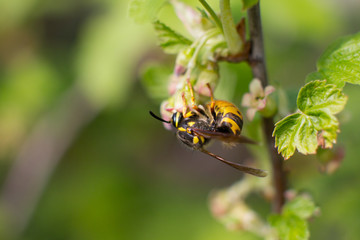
<point>231,36</point>
<point>258,66</point>
<point>212,14</point>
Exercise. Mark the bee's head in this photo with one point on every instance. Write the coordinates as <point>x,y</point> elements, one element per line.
<point>176,119</point>
<point>184,129</point>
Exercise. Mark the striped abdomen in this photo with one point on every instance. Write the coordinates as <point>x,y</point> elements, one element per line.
<point>228,117</point>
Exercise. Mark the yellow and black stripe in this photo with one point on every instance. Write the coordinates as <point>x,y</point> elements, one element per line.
<point>227,117</point>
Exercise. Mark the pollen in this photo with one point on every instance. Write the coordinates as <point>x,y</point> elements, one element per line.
<point>191,123</point>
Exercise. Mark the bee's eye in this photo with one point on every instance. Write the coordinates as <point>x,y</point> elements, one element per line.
<point>176,119</point>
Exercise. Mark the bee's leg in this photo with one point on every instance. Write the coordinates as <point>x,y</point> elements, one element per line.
<point>211,97</point>
<point>211,106</point>
<point>200,110</point>
<point>193,104</point>
<point>193,108</point>
<point>184,111</point>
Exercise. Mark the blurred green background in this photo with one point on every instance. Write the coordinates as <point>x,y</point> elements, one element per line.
<point>81,158</point>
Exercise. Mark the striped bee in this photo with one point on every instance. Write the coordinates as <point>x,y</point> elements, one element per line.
<point>219,119</point>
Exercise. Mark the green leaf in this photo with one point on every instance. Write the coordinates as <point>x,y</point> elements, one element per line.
<point>295,132</point>
<point>249,3</point>
<point>302,206</point>
<point>314,124</point>
<point>314,76</point>
<point>290,226</point>
<point>340,63</point>
<point>320,96</point>
<point>329,136</point>
<point>169,40</point>
<point>143,11</point>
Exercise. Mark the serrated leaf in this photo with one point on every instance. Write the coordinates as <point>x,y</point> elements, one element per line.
<point>290,226</point>
<point>340,63</point>
<point>295,132</point>
<point>169,40</point>
<point>319,96</point>
<point>249,3</point>
<point>328,135</point>
<point>143,11</point>
<point>302,206</point>
<point>315,124</point>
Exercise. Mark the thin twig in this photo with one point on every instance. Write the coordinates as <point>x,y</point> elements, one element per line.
<point>258,66</point>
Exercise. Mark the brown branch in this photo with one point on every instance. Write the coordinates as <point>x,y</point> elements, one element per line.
<point>237,58</point>
<point>258,66</point>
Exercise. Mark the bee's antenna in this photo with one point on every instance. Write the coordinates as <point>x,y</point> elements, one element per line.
<point>158,118</point>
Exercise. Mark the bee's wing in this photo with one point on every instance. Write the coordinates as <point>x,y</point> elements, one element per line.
<point>253,171</point>
<point>226,137</point>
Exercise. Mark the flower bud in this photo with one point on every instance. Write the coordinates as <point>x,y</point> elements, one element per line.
<point>208,75</point>
<point>270,108</point>
<point>182,60</point>
<point>258,101</point>
<point>166,113</point>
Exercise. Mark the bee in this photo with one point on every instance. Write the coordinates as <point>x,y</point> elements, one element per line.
<point>219,120</point>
